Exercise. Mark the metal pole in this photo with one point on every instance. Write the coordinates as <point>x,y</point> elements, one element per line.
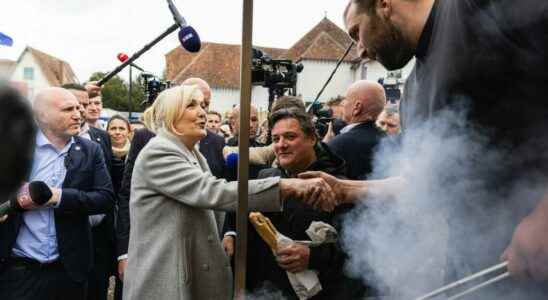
<point>243,143</point>
<point>130,103</point>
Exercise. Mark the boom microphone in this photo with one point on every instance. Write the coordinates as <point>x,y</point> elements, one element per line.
<point>122,57</point>
<point>40,193</point>
<point>187,35</point>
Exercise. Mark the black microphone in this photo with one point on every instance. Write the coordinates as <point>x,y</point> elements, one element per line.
<point>40,193</point>
<point>187,35</point>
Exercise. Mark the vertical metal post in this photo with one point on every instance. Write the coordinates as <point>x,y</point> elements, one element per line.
<point>130,103</point>
<point>243,143</point>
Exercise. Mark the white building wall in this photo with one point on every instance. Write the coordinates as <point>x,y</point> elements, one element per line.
<point>223,99</point>
<point>374,71</point>
<point>39,81</point>
<point>314,76</point>
<point>309,83</point>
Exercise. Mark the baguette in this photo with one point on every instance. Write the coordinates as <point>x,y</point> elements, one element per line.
<point>266,230</point>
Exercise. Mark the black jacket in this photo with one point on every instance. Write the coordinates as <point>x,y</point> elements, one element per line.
<point>140,139</point>
<point>101,137</point>
<point>357,147</point>
<point>211,148</point>
<point>87,190</point>
<point>296,217</point>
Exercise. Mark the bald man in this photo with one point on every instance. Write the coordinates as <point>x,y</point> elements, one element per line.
<point>364,102</point>
<point>45,252</point>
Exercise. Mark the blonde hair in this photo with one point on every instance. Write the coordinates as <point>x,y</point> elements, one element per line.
<point>170,106</point>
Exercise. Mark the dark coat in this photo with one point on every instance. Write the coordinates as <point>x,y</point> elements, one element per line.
<point>296,217</point>
<point>87,190</point>
<point>211,148</point>
<point>357,147</point>
<point>101,137</point>
<point>140,139</point>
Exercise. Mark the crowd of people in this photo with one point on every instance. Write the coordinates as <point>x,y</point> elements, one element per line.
<point>152,203</point>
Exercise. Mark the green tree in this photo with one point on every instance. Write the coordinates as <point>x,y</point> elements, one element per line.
<point>115,93</point>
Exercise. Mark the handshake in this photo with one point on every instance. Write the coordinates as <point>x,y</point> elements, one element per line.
<point>316,189</point>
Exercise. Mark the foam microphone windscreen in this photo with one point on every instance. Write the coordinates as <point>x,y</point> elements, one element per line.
<point>232,160</point>
<point>18,130</point>
<point>189,39</point>
<point>39,192</point>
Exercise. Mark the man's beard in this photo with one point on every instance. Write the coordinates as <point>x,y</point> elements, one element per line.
<point>393,51</point>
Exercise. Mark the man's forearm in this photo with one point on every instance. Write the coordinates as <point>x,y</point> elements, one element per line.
<point>355,191</point>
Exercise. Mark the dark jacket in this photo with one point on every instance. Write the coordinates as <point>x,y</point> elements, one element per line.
<point>296,217</point>
<point>87,190</point>
<point>101,137</point>
<point>231,174</point>
<point>357,147</point>
<point>140,139</point>
<point>211,146</point>
<point>104,234</point>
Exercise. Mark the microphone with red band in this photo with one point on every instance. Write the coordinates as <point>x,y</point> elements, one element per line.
<point>39,192</point>
<point>187,36</point>
<point>122,57</point>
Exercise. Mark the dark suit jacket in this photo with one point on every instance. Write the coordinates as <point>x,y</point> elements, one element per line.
<point>211,148</point>
<point>103,139</point>
<point>87,190</point>
<point>104,235</point>
<point>292,222</point>
<point>357,147</point>
<point>140,139</point>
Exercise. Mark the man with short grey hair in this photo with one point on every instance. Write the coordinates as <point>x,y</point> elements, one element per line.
<point>45,251</point>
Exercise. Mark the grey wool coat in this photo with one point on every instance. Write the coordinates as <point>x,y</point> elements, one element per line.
<point>174,247</point>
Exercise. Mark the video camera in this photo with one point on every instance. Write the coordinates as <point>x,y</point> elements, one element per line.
<point>391,85</point>
<point>153,85</point>
<point>278,75</point>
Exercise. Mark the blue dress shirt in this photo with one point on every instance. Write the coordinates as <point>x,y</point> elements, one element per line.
<point>37,238</point>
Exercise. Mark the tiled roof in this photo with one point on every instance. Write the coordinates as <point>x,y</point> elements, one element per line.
<point>326,41</point>
<point>56,71</point>
<point>219,64</point>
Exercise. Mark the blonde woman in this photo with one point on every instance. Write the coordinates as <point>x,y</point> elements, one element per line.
<point>174,249</point>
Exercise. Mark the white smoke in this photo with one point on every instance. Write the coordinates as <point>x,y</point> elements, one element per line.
<point>401,246</point>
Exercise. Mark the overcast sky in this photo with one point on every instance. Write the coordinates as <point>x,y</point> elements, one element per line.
<point>89,34</point>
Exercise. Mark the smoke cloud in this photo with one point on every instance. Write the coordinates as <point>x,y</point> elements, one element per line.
<point>456,216</point>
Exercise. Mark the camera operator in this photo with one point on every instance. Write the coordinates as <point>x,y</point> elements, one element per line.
<point>461,48</point>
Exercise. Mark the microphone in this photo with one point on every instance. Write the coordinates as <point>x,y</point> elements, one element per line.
<point>187,35</point>
<point>40,193</point>
<point>122,57</point>
<point>232,160</point>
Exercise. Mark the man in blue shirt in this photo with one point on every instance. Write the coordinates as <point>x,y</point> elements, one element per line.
<point>45,252</point>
